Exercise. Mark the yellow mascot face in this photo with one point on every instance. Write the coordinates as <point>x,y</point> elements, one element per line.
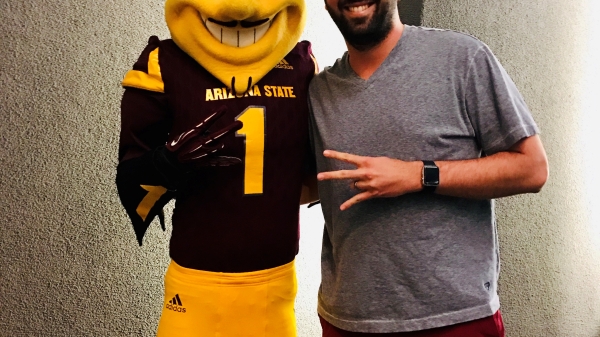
<point>238,41</point>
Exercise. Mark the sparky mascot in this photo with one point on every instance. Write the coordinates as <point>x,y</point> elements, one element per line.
<point>217,118</point>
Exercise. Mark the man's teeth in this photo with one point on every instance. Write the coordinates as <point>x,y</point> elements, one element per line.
<point>358,8</point>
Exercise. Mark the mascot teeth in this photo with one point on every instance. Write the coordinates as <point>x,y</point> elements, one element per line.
<point>238,33</point>
<point>236,39</point>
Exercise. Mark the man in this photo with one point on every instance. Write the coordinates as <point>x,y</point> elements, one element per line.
<point>419,129</point>
<point>217,118</point>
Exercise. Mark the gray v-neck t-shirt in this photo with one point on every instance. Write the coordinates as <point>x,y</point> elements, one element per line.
<point>420,260</point>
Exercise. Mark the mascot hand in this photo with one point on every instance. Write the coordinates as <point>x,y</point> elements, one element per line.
<point>197,147</point>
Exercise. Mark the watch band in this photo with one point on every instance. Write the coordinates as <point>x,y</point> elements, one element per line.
<point>430,178</point>
<point>429,189</point>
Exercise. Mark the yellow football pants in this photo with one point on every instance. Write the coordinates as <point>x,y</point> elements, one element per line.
<point>208,304</point>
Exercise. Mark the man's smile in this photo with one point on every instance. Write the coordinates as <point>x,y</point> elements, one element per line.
<point>359,9</point>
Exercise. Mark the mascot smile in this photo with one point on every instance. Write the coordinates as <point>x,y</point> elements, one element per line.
<point>217,118</point>
<point>238,41</point>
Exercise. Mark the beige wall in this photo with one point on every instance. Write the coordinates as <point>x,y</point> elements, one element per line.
<point>549,250</point>
<point>69,264</point>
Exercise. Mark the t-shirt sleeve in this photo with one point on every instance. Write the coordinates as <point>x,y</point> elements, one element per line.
<point>497,110</point>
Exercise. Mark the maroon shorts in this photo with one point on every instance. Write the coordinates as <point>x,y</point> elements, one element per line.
<point>490,326</point>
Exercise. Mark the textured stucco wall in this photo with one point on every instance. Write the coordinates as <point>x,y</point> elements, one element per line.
<point>549,253</point>
<point>68,263</point>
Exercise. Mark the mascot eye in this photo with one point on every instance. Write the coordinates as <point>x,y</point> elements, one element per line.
<point>250,24</point>
<point>229,24</point>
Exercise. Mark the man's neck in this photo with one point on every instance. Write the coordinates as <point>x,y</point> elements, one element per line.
<point>365,63</point>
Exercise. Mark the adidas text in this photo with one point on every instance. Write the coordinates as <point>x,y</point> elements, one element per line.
<point>175,308</point>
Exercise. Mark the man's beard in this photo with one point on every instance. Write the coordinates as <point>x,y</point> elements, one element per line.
<point>375,29</point>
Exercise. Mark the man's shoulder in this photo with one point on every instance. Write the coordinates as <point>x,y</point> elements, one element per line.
<point>445,39</point>
<point>444,34</point>
<point>338,69</point>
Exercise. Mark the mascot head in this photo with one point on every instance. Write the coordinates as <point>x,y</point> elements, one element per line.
<point>238,41</point>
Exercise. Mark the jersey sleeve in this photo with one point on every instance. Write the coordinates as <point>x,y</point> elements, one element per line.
<point>314,59</point>
<point>497,110</point>
<point>305,50</point>
<point>145,123</point>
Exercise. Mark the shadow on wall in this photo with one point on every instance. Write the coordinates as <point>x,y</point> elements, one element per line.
<point>411,11</point>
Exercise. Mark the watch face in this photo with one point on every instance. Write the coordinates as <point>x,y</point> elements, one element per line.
<point>431,175</point>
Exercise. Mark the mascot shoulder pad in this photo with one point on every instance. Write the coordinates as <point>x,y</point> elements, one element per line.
<point>146,73</point>
<point>304,49</point>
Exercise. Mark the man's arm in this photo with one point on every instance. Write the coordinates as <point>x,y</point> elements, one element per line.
<point>523,168</point>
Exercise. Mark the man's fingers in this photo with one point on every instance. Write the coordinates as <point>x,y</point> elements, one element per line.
<point>342,174</point>
<point>355,200</point>
<point>346,157</point>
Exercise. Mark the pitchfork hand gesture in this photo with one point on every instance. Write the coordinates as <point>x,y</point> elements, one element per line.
<point>375,177</point>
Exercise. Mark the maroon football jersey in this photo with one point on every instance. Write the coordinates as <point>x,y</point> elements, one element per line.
<point>243,217</point>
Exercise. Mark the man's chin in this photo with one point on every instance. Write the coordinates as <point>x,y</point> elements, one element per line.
<point>362,44</point>
<point>358,24</point>
<point>364,39</point>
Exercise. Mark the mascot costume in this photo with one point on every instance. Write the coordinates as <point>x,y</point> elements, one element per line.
<point>217,118</point>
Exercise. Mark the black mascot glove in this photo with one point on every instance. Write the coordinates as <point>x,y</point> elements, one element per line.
<point>194,148</point>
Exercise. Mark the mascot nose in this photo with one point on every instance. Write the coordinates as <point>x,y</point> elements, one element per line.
<point>238,10</point>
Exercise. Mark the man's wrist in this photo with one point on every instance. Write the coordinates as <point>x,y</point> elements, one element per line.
<point>417,184</point>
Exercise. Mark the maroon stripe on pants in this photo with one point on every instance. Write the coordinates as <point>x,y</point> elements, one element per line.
<point>491,326</point>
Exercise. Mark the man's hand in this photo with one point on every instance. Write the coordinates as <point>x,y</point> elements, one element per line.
<point>375,177</point>
<point>198,146</point>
